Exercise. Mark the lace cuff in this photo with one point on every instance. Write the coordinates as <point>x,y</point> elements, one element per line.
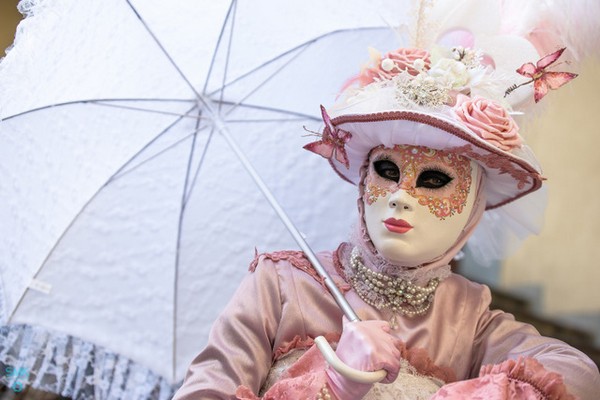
<point>524,378</point>
<point>302,380</point>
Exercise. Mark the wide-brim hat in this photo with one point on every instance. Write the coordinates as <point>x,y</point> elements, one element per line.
<point>372,122</point>
<point>462,95</point>
<point>450,99</point>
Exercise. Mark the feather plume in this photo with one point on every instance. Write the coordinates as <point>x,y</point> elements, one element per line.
<point>422,29</point>
<point>553,24</point>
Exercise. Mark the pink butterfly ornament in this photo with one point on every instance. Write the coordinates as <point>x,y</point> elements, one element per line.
<point>543,80</point>
<point>332,143</point>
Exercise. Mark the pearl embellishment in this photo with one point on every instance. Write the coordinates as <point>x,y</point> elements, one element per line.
<point>387,65</point>
<point>395,294</point>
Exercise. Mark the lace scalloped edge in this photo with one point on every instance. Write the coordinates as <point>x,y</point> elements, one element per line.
<point>299,343</point>
<point>71,367</point>
<point>298,260</point>
<point>294,257</point>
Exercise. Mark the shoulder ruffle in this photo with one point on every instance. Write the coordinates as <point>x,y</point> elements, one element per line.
<point>296,258</point>
<point>528,370</point>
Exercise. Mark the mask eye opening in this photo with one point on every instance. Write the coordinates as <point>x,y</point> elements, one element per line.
<point>387,170</point>
<point>433,179</point>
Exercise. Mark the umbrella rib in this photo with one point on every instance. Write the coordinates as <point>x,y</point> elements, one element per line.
<point>187,136</point>
<point>227,58</point>
<point>200,163</point>
<point>274,74</point>
<point>237,121</point>
<point>179,231</point>
<point>149,110</point>
<point>214,56</point>
<point>272,60</point>
<point>273,109</point>
<point>253,70</point>
<point>162,48</point>
<point>149,144</point>
<point>85,206</point>
<point>92,101</point>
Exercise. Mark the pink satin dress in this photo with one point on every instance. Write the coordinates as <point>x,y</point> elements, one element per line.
<point>262,344</point>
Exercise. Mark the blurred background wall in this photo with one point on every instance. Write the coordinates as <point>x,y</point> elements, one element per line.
<point>564,259</point>
<point>559,271</point>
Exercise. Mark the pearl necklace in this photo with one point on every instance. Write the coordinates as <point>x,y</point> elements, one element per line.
<point>385,292</point>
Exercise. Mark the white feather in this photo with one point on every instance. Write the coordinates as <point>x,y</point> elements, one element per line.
<point>553,24</point>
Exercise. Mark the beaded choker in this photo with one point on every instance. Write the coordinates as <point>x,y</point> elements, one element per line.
<point>385,292</point>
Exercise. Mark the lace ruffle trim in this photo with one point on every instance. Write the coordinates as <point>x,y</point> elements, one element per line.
<point>550,385</point>
<point>420,361</point>
<point>68,366</point>
<point>294,257</point>
<point>298,260</point>
<point>300,343</point>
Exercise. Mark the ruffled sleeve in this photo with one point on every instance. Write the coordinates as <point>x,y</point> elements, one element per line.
<point>512,361</point>
<point>239,349</point>
<point>524,378</point>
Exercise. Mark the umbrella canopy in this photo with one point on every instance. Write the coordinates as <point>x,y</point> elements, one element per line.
<point>127,219</point>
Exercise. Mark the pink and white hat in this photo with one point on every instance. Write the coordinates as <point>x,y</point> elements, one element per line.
<point>451,99</point>
<point>449,102</point>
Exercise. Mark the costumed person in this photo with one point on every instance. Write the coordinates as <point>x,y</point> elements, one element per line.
<point>428,138</point>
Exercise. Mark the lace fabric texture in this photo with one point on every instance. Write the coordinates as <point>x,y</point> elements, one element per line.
<point>279,367</point>
<point>410,385</point>
<point>71,367</point>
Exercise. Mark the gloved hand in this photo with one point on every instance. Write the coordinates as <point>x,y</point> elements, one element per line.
<point>366,346</point>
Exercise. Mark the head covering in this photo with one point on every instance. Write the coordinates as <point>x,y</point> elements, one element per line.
<point>405,100</point>
<point>461,94</point>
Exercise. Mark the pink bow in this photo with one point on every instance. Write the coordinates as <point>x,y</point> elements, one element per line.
<point>332,142</point>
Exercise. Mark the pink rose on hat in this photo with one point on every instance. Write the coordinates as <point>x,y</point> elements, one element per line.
<point>411,60</point>
<point>405,59</point>
<point>489,120</point>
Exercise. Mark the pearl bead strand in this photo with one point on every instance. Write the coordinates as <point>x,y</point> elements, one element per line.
<point>395,294</point>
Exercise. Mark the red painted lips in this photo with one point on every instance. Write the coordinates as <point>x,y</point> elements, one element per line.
<point>397,225</point>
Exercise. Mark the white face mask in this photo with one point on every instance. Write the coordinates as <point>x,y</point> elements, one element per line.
<point>417,202</point>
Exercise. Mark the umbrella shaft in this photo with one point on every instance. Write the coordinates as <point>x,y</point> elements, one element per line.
<point>335,292</point>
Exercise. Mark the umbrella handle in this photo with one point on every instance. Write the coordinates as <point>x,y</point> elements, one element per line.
<point>345,370</point>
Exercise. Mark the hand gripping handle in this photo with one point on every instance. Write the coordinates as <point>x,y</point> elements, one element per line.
<point>345,370</point>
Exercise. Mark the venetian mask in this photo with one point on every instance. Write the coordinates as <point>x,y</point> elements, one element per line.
<point>417,201</point>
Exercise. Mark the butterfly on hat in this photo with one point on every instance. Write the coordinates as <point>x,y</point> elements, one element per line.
<point>542,79</point>
<point>332,142</point>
